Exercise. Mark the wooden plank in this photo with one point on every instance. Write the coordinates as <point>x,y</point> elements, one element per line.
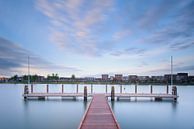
<point>99,115</point>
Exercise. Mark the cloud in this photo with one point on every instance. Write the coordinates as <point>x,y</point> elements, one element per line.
<point>75,23</point>
<point>13,60</point>
<point>129,51</point>
<point>153,14</point>
<point>182,45</point>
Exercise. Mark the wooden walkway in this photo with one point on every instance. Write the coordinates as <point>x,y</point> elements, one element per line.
<point>99,115</point>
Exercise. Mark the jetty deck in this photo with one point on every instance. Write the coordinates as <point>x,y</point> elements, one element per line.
<point>99,115</point>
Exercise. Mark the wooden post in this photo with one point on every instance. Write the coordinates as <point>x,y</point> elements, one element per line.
<point>77,89</point>
<point>26,91</point>
<point>106,88</point>
<point>47,88</point>
<point>121,88</point>
<point>174,92</point>
<point>151,89</point>
<point>91,88</point>
<point>135,88</point>
<point>85,93</point>
<point>112,93</point>
<point>62,88</point>
<point>31,88</point>
<point>167,89</point>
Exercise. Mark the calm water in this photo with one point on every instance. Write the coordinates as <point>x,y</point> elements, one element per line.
<point>55,113</point>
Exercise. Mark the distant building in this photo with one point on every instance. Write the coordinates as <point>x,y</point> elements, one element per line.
<point>157,78</point>
<point>118,77</point>
<point>167,77</point>
<point>143,78</point>
<point>132,78</point>
<point>104,77</point>
<point>111,78</point>
<point>125,78</point>
<point>191,79</point>
<point>3,79</point>
<point>182,77</point>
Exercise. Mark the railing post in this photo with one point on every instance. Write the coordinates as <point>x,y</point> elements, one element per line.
<point>91,88</point>
<point>77,88</point>
<point>167,89</point>
<point>135,88</point>
<point>121,88</point>
<point>112,93</point>
<point>106,88</point>
<point>47,88</point>
<point>32,88</point>
<point>85,93</point>
<point>62,88</point>
<point>151,89</point>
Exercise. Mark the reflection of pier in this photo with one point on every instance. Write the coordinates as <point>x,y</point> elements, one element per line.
<point>112,95</point>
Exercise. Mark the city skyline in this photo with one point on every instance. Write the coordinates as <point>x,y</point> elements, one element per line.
<point>90,38</point>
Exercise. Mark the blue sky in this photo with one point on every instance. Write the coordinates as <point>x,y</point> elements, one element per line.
<point>89,38</point>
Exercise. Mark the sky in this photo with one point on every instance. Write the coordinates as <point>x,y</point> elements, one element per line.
<point>94,37</point>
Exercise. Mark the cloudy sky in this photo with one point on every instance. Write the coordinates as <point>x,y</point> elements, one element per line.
<point>91,37</point>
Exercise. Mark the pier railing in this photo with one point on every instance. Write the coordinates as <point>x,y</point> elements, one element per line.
<point>157,96</point>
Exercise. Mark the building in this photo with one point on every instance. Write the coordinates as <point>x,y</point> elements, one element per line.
<point>168,77</point>
<point>132,78</point>
<point>3,79</point>
<point>157,79</point>
<point>182,77</point>
<point>104,77</point>
<point>143,78</point>
<point>191,79</point>
<point>125,78</point>
<point>118,77</point>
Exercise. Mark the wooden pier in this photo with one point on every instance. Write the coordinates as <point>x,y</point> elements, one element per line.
<point>112,95</point>
<point>99,115</point>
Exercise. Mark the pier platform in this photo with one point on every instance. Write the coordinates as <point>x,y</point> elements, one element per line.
<point>99,115</point>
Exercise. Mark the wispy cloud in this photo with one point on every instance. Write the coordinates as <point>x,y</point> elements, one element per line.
<point>75,23</point>
<point>13,60</point>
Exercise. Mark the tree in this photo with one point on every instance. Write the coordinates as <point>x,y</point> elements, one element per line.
<point>72,76</point>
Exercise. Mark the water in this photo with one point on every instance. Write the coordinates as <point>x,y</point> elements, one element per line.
<point>55,113</point>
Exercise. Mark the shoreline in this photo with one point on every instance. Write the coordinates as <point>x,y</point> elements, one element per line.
<point>97,83</point>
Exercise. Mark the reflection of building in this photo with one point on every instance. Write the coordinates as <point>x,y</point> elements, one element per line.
<point>118,77</point>
<point>105,77</point>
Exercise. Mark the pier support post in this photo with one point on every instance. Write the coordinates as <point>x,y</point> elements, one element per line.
<point>26,91</point>
<point>135,88</point>
<point>106,88</point>
<point>167,89</point>
<point>32,88</point>
<point>62,88</point>
<point>85,93</point>
<point>47,88</point>
<point>112,93</point>
<point>174,92</point>
<point>77,88</point>
<point>151,89</point>
<point>158,99</point>
<point>91,88</point>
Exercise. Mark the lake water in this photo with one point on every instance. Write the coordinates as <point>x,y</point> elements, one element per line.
<point>56,113</point>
